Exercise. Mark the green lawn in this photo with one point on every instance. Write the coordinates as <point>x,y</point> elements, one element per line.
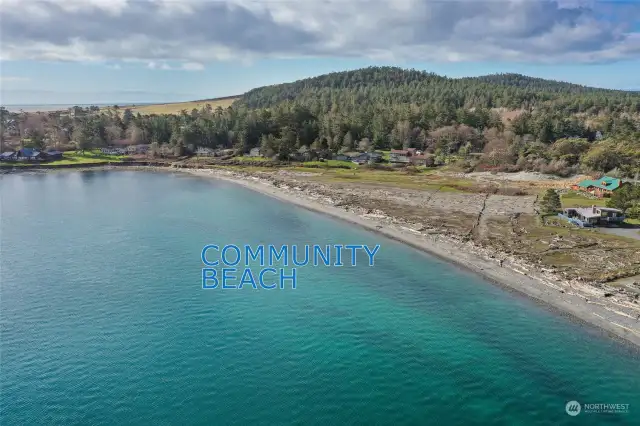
<point>248,159</point>
<point>331,164</point>
<point>72,157</point>
<point>575,199</point>
<point>88,157</point>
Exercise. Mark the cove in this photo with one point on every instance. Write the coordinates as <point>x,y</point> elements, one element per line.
<point>104,320</point>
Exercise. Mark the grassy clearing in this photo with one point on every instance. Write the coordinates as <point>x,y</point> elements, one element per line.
<point>88,157</point>
<point>331,164</point>
<point>575,199</point>
<point>253,159</point>
<point>72,157</point>
<point>395,178</point>
<point>177,107</point>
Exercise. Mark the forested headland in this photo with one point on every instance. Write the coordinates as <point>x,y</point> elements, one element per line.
<point>499,122</point>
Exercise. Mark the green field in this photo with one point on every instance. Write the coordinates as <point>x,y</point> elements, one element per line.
<point>331,164</point>
<point>253,160</point>
<point>575,199</point>
<point>72,157</point>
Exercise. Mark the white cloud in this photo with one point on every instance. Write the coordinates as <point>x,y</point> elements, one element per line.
<point>192,66</point>
<point>193,32</point>
<point>186,66</point>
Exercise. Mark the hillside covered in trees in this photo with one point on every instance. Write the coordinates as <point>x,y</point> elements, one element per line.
<point>557,127</point>
<point>390,85</point>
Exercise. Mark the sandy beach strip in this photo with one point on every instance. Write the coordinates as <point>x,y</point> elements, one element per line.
<point>552,294</point>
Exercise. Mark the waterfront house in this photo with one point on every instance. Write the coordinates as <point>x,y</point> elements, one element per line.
<point>375,157</point>
<point>30,154</point>
<point>593,216</point>
<point>306,154</point>
<point>255,152</point>
<point>137,149</point>
<point>426,160</point>
<point>367,158</point>
<point>113,151</point>
<point>362,158</point>
<point>54,155</point>
<point>401,156</point>
<point>602,187</point>
<point>205,152</point>
<point>9,156</point>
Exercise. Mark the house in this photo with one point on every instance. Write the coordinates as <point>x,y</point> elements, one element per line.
<point>400,155</point>
<point>166,150</point>
<point>362,158</point>
<point>306,154</point>
<point>113,151</point>
<point>367,157</point>
<point>9,156</point>
<point>255,152</point>
<point>54,155</point>
<point>593,216</point>
<point>30,154</point>
<point>137,149</point>
<point>205,152</point>
<point>426,160</point>
<point>599,187</point>
<point>341,157</point>
<point>374,157</point>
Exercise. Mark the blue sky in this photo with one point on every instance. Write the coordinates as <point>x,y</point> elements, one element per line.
<point>91,51</point>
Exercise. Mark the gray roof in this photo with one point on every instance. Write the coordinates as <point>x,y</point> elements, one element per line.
<point>609,209</point>
<point>588,212</point>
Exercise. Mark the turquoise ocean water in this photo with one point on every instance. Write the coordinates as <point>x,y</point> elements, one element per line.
<point>104,321</point>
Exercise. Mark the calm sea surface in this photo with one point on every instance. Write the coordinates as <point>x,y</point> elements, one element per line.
<point>104,321</point>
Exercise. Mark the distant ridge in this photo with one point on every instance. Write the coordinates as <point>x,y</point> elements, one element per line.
<point>394,85</point>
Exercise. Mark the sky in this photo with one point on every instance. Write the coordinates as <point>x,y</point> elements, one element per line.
<point>134,51</point>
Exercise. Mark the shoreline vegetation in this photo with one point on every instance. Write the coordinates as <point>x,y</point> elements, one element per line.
<point>614,313</point>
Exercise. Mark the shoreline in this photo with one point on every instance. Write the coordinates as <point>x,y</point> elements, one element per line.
<point>621,328</point>
<point>600,314</point>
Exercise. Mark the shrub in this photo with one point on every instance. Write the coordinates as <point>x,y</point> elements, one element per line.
<point>550,202</point>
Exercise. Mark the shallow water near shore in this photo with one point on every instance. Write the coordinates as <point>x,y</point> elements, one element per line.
<point>104,320</point>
